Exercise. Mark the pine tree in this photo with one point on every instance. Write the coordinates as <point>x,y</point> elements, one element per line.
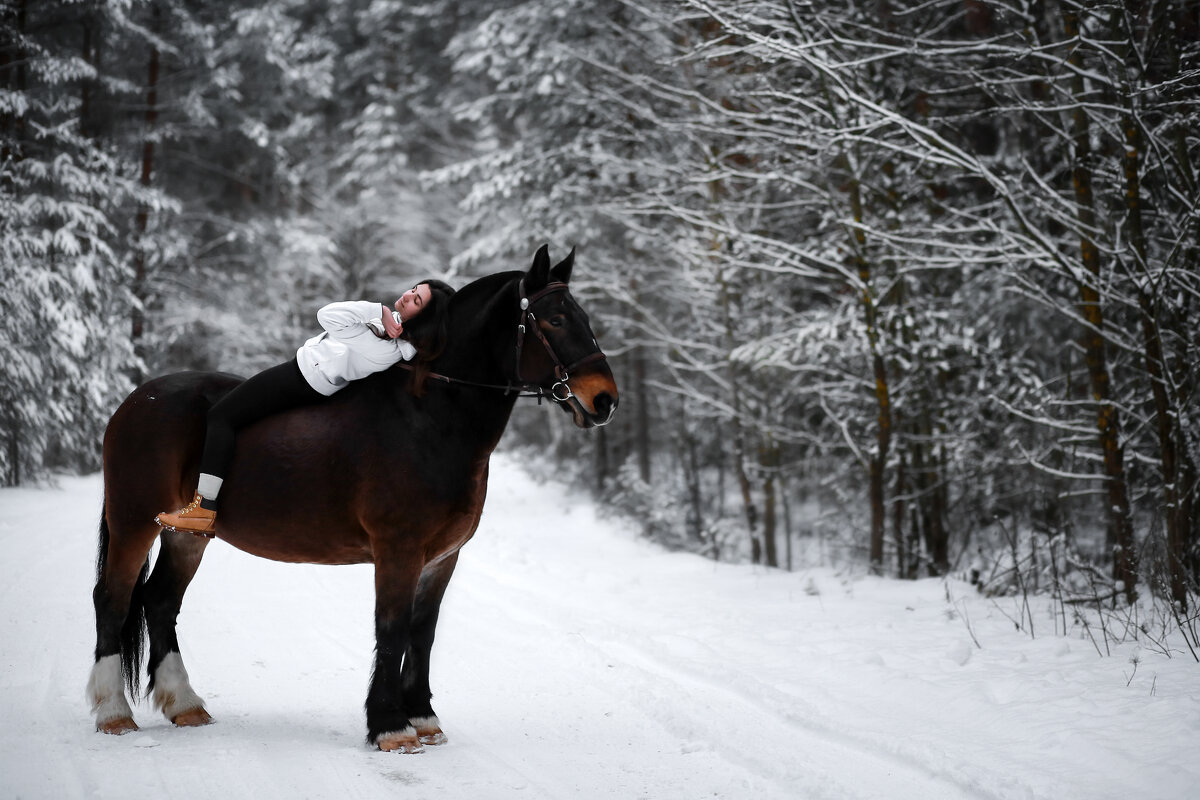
<point>61,190</point>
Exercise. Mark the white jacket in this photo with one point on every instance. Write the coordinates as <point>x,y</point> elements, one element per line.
<point>348,350</point>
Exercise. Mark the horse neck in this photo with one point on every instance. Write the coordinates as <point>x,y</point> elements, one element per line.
<point>481,349</point>
<point>483,326</point>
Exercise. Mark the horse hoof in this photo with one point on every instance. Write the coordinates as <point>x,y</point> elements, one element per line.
<point>399,742</point>
<point>429,730</point>
<point>117,726</point>
<point>192,718</point>
<point>431,737</point>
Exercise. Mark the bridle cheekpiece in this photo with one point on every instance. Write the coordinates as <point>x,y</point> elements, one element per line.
<point>560,391</point>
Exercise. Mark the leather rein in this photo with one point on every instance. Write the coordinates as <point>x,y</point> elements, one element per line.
<point>559,392</point>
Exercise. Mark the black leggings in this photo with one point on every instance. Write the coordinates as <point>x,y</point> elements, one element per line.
<point>269,392</point>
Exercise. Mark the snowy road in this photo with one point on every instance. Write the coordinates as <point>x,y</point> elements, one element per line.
<point>574,661</point>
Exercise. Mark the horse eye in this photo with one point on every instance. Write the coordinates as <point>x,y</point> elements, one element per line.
<point>557,321</point>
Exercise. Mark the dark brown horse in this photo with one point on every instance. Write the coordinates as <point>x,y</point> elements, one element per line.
<point>374,474</point>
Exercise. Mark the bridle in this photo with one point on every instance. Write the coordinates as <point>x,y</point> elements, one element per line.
<point>561,371</point>
<point>559,392</point>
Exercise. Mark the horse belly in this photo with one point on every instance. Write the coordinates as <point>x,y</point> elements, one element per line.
<point>286,498</point>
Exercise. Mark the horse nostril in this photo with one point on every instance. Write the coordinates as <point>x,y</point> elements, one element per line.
<point>605,405</point>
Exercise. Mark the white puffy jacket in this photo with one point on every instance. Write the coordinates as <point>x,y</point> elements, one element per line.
<point>348,350</point>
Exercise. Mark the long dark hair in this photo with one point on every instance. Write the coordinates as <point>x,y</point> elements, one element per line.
<point>428,331</point>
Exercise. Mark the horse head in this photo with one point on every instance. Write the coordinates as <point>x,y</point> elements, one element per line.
<point>556,349</point>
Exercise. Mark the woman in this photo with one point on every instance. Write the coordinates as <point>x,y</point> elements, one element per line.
<point>360,338</point>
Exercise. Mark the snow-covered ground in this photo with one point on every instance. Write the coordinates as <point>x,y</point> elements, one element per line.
<point>575,661</point>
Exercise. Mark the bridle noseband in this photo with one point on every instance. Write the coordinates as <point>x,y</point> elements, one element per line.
<point>561,371</point>
<point>559,392</point>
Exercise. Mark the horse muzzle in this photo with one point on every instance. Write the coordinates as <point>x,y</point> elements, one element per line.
<point>590,399</point>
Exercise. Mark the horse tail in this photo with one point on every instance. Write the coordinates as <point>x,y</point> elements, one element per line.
<point>133,630</point>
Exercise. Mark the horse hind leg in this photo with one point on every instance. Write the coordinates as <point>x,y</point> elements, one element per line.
<point>176,565</point>
<point>121,569</point>
<point>106,692</point>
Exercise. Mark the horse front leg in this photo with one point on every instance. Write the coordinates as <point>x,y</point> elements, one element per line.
<point>414,676</point>
<point>389,726</point>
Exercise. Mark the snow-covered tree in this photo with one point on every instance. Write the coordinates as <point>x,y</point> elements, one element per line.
<point>63,190</point>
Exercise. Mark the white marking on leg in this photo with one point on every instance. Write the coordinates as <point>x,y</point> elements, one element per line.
<point>106,691</point>
<point>173,691</point>
<point>407,733</point>
<point>429,730</point>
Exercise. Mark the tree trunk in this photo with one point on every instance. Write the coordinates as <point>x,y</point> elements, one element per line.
<point>1189,503</point>
<point>1186,25</point>
<point>739,437</point>
<point>140,290</point>
<point>941,507</point>
<point>1176,511</point>
<point>931,487</point>
<point>1108,422</point>
<point>13,478</point>
<point>87,86</point>
<point>1175,518</point>
<point>877,462</point>
<point>743,478</point>
<point>14,69</point>
<point>691,474</point>
<point>784,488</point>
<point>899,508</point>
<point>883,432</point>
<point>769,459</point>
<point>641,414</point>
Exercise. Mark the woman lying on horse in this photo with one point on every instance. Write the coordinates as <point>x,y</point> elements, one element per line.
<point>359,338</point>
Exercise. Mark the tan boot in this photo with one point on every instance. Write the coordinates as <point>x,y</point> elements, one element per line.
<point>198,516</point>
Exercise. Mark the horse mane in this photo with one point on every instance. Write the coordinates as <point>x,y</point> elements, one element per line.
<point>474,305</point>
<point>470,308</point>
<point>477,294</point>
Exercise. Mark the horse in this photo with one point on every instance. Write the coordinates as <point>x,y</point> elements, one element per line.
<point>378,473</point>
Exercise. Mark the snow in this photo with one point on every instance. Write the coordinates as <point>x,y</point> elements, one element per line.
<point>576,661</point>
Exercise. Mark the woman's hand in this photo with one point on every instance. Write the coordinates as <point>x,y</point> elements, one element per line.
<point>393,328</point>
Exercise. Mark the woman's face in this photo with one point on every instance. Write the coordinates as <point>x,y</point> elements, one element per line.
<point>413,301</point>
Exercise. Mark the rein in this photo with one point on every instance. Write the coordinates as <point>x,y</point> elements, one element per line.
<point>523,387</point>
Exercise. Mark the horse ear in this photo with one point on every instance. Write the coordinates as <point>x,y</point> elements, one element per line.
<point>562,270</point>
<point>539,273</point>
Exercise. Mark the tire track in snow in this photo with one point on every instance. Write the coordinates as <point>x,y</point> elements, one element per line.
<point>755,728</point>
<point>522,693</point>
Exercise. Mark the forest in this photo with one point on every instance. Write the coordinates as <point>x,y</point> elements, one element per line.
<point>905,286</point>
